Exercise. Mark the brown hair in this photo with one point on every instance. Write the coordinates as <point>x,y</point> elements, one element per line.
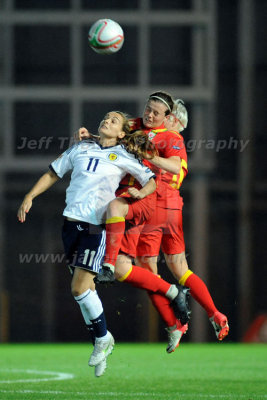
<point>138,143</point>
<point>165,98</point>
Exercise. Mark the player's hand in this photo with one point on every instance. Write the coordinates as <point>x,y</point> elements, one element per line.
<point>135,193</point>
<point>147,156</point>
<point>24,208</point>
<point>82,134</point>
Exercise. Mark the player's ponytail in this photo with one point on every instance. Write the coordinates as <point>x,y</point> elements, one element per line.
<point>138,143</point>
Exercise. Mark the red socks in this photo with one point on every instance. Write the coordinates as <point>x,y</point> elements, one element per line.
<point>199,291</point>
<point>144,279</point>
<point>115,227</point>
<point>162,305</point>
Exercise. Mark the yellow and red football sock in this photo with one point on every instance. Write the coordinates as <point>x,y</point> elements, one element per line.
<point>199,291</point>
<point>115,227</point>
<point>144,279</point>
<point>162,305</point>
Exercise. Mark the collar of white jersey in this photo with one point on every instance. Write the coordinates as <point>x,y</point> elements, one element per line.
<point>108,147</point>
<point>92,141</point>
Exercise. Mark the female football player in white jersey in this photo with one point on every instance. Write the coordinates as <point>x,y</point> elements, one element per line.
<point>97,168</point>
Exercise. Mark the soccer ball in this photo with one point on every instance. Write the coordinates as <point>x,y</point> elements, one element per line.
<point>106,36</point>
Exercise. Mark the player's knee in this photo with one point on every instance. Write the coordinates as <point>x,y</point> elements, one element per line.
<point>149,263</point>
<point>113,208</point>
<point>121,270</point>
<point>123,267</point>
<point>76,290</point>
<point>117,207</point>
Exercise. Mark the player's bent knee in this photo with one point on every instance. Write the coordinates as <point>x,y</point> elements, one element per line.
<point>117,207</point>
<point>75,292</point>
<point>121,272</point>
<point>149,263</point>
<point>123,266</point>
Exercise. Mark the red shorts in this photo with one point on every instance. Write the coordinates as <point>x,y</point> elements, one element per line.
<point>130,239</point>
<point>164,231</point>
<point>140,211</point>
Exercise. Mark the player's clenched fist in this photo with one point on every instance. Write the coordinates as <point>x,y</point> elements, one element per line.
<point>82,134</point>
<point>135,193</point>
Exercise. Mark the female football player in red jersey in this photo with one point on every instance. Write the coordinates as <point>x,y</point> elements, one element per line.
<point>168,233</point>
<point>164,229</point>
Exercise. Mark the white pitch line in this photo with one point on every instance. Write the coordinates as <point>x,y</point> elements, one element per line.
<point>56,376</point>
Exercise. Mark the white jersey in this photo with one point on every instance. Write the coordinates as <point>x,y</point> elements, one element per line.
<point>97,172</point>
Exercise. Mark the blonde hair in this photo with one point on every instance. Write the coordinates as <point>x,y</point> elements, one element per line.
<point>180,112</point>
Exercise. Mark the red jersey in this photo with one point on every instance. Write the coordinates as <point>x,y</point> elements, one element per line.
<point>168,144</point>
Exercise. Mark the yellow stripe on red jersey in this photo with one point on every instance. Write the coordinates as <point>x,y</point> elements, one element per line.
<point>175,182</point>
<point>183,172</point>
<point>178,134</point>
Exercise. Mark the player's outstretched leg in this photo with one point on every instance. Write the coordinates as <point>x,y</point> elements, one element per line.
<point>220,324</point>
<point>102,349</point>
<point>175,334</point>
<point>180,304</point>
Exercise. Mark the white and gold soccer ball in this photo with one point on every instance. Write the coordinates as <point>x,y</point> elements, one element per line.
<point>106,36</point>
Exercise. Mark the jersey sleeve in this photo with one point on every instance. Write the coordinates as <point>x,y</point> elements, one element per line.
<point>64,162</point>
<point>141,172</point>
<point>179,146</point>
<point>176,146</point>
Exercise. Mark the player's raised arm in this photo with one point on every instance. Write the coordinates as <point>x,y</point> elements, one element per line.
<point>171,164</point>
<point>43,184</point>
<point>83,134</point>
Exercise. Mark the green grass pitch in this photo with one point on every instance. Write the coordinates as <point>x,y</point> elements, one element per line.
<point>135,372</point>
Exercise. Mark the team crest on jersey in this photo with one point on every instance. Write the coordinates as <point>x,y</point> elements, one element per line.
<point>112,156</point>
<point>151,135</point>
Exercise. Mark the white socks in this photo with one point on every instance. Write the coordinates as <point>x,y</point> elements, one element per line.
<point>172,292</point>
<point>90,304</point>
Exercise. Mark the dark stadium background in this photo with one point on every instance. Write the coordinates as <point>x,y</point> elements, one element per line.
<point>225,193</point>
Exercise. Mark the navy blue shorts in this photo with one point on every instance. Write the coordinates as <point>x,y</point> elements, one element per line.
<point>84,245</point>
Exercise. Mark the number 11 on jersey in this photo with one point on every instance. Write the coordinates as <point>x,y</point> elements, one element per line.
<point>93,163</point>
